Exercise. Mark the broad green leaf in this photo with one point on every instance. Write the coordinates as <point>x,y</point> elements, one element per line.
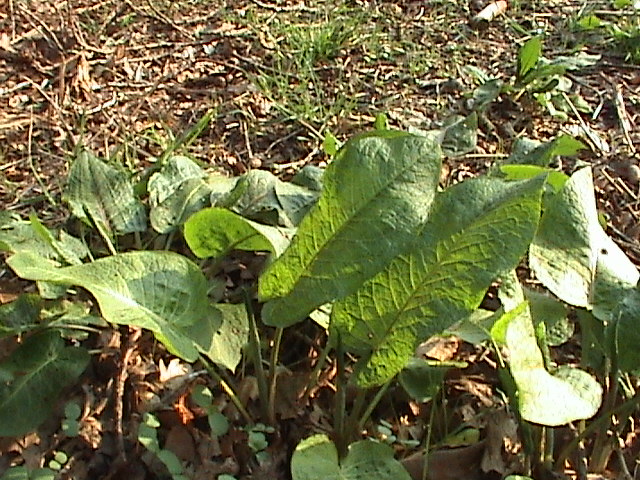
<point>377,191</point>
<point>523,172</point>
<point>570,242</point>
<point>421,380</point>
<point>214,232</point>
<point>261,196</point>
<point>330,143</point>
<point>16,473</point>
<point>103,194</point>
<point>529,55</point>
<point>556,399</point>
<point>33,377</point>
<point>316,458</point>
<point>478,229</point>
<point>21,315</point>
<point>160,291</point>
<point>225,341</point>
<point>553,313</point>
<point>178,190</point>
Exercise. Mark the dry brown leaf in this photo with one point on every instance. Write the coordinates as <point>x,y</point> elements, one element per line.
<point>439,348</point>
<point>502,444</point>
<point>180,442</point>
<point>449,464</point>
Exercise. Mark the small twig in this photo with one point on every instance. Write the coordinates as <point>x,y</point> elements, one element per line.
<point>228,390</point>
<point>585,128</point>
<point>28,15</point>
<point>134,335</point>
<point>300,7</point>
<point>623,116</point>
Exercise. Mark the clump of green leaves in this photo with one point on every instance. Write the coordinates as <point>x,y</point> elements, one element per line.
<point>148,436</point>
<point>546,81</point>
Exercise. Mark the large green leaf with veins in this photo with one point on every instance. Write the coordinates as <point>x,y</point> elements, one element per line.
<point>32,378</point>
<point>376,193</point>
<point>552,399</point>
<point>570,243</point>
<point>316,458</point>
<point>478,229</point>
<point>103,194</point>
<point>160,291</point>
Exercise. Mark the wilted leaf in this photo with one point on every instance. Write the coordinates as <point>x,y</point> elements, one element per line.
<point>376,193</point>
<point>161,291</point>
<point>175,192</point>
<point>100,193</point>
<point>478,229</point>
<point>460,135</point>
<point>556,399</point>
<point>263,197</point>
<point>485,94</point>
<point>33,377</point>
<point>213,232</point>
<point>316,458</point>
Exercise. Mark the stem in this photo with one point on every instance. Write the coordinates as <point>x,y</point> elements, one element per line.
<point>547,455</point>
<point>374,403</point>
<point>603,447</point>
<point>273,374</point>
<point>227,388</point>
<point>427,441</point>
<point>623,410</point>
<point>315,374</point>
<point>256,356</point>
<point>341,402</point>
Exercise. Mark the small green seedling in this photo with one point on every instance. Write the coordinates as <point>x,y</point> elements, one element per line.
<point>70,423</point>
<point>258,440</point>
<point>203,397</point>
<point>58,461</point>
<point>148,436</point>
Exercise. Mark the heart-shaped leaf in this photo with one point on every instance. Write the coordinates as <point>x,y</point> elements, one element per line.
<point>570,243</point>
<point>567,395</point>
<point>316,458</point>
